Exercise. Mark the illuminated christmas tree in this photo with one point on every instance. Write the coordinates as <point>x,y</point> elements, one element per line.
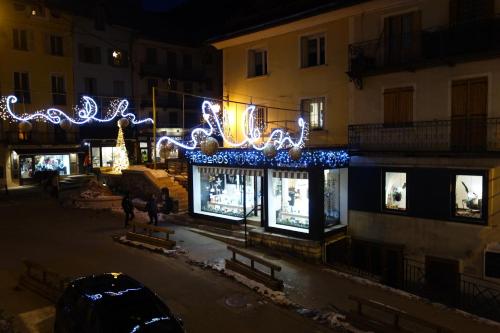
<point>120,155</point>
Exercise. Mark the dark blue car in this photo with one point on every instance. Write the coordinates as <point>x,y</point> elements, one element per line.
<point>112,303</point>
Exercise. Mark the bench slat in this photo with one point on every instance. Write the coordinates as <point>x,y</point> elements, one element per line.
<point>254,258</point>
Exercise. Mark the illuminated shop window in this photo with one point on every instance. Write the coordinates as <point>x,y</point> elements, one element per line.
<point>332,197</point>
<point>58,163</point>
<point>96,157</point>
<point>289,200</point>
<point>26,166</point>
<point>107,156</point>
<point>219,192</point>
<point>468,196</point>
<point>395,191</point>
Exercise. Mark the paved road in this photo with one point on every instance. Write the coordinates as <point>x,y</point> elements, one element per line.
<point>78,242</point>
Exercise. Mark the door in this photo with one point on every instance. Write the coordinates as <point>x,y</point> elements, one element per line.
<point>442,279</point>
<point>469,108</point>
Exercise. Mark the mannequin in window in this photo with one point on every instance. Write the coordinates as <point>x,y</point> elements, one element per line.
<point>291,194</point>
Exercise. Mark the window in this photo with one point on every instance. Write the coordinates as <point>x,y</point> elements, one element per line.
<point>469,196</point>
<point>260,114</point>
<point>171,61</point>
<point>150,84</point>
<point>52,163</point>
<point>56,45</point>
<point>187,61</point>
<point>37,10</point>
<point>398,106</point>
<point>402,38</point>
<point>257,63</point>
<point>90,54</point>
<point>395,191</point>
<point>315,109</point>
<point>90,86</point>
<point>151,56</point>
<point>173,118</point>
<point>118,88</point>
<point>118,58</point>
<point>58,90</point>
<point>107,156</point>
<point>289,200</point>
<point>96,157</point>
<point>20,39</point>
<point>332,197</point>
<point>313,50</point>
<point>22,87</point>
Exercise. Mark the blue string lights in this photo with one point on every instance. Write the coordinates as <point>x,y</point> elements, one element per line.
<point>324,158</point>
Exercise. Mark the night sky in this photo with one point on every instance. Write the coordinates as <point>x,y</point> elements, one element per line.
<point>160,5</point>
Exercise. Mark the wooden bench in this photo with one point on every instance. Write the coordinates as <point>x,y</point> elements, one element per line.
<point>43,281</point>
<point>369,322</point>
<point>268,279</point>
<point>148,236</point>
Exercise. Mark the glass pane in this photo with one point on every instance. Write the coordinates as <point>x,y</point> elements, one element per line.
<point>332,198</point>
<point>221,194</point>
<point>312,52</point>
<point>107,156</point>
<point>26,167</point>
<point>288,201</point>
<point>96,157</point>
<point>469,196</point>
<point>52,163</point>
<point>395,190</point>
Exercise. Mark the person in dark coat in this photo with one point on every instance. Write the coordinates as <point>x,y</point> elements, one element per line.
<point>128,208</point>
<point>167,201</point>
<point>152,209</point>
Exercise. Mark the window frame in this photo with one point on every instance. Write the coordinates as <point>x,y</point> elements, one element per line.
<point>384,207</point>
<point>94,81</point>
<point>398,89</point>
<point>17,40</point>
<point>22,91</point>
<point>251,64</point>
<point>483,219</point>
<point>304,52</point>
<point>56,49</point>
<point>55,93</point>
<point>321,114</point>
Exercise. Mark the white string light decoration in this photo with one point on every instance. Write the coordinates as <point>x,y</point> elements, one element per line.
<point>86,114</point>
<point>252,137</point>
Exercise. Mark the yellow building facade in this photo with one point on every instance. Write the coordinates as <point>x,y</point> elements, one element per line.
<point>290,70</point>
<point>37,66</point>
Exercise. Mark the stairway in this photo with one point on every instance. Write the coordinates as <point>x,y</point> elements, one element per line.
<point>74,182</point>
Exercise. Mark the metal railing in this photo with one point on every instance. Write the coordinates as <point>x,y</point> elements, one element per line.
<point>422,48</point>
<point>463,134</point>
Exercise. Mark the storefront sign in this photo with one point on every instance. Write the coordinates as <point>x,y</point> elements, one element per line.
<point>244,157</point>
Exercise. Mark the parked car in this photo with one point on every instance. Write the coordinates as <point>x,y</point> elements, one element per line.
<point>115,303</point>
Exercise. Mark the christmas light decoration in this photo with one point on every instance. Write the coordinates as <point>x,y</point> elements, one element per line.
<point>252,136</point>
<point>324,158</point>
<point>120,155</point>
<point>57,117</point>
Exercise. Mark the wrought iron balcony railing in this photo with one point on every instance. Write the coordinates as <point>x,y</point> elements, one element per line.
<point>459,135</point>
<point>425,48</point>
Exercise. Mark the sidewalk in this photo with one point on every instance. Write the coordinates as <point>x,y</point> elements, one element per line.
<point>319,287</point>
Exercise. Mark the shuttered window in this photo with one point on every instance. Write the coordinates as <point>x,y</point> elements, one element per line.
<point>398,106</point>
<point>402,34</point>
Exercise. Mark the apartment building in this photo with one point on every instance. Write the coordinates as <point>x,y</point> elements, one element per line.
<point>36,58</point>
<point>423,134</point>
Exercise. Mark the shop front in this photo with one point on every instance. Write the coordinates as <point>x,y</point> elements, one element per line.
<point>305,198</point>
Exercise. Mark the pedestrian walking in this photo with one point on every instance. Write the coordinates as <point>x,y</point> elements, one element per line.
<point>167,201</point>
<point>152,209</point>
<point>128,208</point>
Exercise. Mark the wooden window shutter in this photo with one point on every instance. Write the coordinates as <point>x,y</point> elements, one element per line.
<point>459,93</point>
<point>405,105</point>
<point>390,106</point>
<point>478,97</point>
<point>398,105</point>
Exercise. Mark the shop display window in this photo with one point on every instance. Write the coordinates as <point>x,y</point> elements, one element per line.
<point>395,191</point>
<point>96,157</point>
<point>52,163</point>
<point>107,156</point>
<point>219,192</point>
<point>468,196</point>
<point>332,197</point>
<point>289,200</point>
<point>26,165</point>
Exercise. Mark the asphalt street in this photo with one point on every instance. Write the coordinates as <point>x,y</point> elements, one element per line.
<point>77,242</point>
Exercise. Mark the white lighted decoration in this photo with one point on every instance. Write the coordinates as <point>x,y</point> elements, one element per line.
<point>252,137</point>
<point>85,115</point>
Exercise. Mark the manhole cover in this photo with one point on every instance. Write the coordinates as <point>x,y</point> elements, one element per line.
<point>236,301</point>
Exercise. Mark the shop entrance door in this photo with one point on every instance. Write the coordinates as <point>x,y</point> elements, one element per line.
<point>253,188</point>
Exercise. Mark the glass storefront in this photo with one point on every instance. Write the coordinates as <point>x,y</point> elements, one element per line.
<point>395,191</point>
<point>288,200</point>
<point>96,157</point>
<point>468,196</point>
<point>30,164</point>
<point>332,197</point>
<point>26,164</point>
<point>107,156</point>
<point>220,191</point>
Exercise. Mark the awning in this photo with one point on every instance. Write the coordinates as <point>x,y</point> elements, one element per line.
<point>290,174</point>
<point>230,171</point>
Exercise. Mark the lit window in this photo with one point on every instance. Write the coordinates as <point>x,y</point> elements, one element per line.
<point>395,191</point>
<point>257,63</point>
<point>289,200</point>
<point>314,109</point>
<point>469,196</point>
<point>313,50</point>
<point>118,58</point>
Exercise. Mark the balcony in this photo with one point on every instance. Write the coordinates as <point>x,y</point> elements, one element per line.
<point>459,135</point>
<point>426,48</point>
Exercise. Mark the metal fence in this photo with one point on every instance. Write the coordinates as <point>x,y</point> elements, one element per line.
<point>457,135</point>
